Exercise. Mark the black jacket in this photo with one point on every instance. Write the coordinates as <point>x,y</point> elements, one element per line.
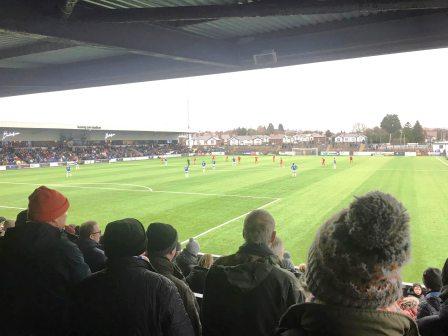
<point>436,325</point>
<point>93,254</point>
<point>165,267</point>
<point>429,306</point>
<point>186,261</point>
<point>247,293</point>
<point>128,298</point>
<point>39,266</point>
<point>196,279</point>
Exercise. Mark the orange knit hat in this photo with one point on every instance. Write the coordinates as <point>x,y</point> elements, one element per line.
<point>46,205</point>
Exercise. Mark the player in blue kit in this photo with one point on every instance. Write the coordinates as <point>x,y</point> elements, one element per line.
<point>213,164</point>
<point>203,164</point>
<point>68,170</point>
<point>294,168</point>
<point>233,161</point>
<point>187,170</point>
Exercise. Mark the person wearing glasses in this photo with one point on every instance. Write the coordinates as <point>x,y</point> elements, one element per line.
<point>89,238</point>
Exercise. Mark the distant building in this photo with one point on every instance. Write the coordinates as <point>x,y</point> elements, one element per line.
<point>350,138</point>
<point>204,140</point>
<point>440,147</point>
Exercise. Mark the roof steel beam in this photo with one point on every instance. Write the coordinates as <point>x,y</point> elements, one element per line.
<point>256,9</point>
<point>34,48</point>
<point>136,38</point>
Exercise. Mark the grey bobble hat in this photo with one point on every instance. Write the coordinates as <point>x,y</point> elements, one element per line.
<point>192,247</point>
<point>356,257</point>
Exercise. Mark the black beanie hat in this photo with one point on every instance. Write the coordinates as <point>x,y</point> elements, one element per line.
<point>432,278</point>
<point>124,238</point>
<point>162,238</point>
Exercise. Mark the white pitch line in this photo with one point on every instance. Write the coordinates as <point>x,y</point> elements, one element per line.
<point>207,194</point>
<point>77,186</point>
<point>441,161</point>
<point>230,221</point>
<point>10,207</point>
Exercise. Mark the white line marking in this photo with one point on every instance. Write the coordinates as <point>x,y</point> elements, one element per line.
<point>208,194</point>
<point>147,189</point>
<point>441,161</point>
<point>10,207</point>
<point>230,221</point>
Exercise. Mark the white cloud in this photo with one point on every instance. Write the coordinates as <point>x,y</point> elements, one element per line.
<point>332,95</point>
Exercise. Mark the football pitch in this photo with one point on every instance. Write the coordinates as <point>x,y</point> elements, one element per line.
<point>211,206</point>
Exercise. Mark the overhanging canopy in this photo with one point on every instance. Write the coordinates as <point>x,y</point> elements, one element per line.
<point>50,45</point>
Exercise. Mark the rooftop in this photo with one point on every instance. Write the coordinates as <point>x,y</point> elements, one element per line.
<point>66,44</point>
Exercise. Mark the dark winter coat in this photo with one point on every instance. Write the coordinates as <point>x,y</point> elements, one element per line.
<point>39,266</point>
<point>196,279</point>
<point>247,293</point>
<point>430,305</point>
<point>436,325</point>
<point>93,254</point>
<point>186,262</point>
<point>165,267</point>
<point>311,319</point>
<point>128,298</point>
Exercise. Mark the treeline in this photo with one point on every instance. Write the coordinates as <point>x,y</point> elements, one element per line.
<point>391,130</point>
<point>260,130</point>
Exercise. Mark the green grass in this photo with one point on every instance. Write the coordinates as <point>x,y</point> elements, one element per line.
<point>305,202</point>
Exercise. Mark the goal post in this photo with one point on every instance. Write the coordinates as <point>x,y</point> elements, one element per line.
<point>306,151</point>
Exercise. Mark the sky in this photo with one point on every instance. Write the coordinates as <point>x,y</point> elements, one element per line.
<point>330,95</point>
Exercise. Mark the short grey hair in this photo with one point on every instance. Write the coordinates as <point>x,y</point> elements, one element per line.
<point>278,248</point>
<point>258,227</point>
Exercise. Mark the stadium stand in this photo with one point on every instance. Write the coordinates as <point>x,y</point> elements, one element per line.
<point>34,275</point>
<point>68,44</point>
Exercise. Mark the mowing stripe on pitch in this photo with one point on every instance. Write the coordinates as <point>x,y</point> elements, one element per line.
<point>230,221</point>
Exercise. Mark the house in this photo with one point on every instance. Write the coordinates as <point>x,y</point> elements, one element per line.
<point>257,140</point>
<point>302,138</point>
<point>203,140</point>
<point>245,140</point>
<point>233,141</point>
<point>350,138</point>
<point>276,139</point>
<point>225,138</point>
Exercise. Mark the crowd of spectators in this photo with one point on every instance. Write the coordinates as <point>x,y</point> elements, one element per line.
<point>11,155</point>
<point>58,279</point>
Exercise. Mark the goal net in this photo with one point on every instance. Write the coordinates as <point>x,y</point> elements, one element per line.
<point>305,151</point>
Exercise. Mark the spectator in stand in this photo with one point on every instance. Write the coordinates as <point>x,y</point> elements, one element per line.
<point>353,271</point>
<point>287,262</point>
<point>39,266</point>
<point>437,325</point>
<point>196,278</point>
<point>22,218</point>
<point>188,258</point>
<point>162,241</point>
<point>128,297</point>
<point>246,293</point>
<point>430,305</point>
<point>89,238</point>
<point>409,306</point>
<point>416,290</point>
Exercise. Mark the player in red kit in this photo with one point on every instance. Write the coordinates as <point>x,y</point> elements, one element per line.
<point>351,159</point>
<point>273,158</point>
<point>239,159</point>
<point>323,162</point>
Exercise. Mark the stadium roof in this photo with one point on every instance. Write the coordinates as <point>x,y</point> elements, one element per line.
<point>50,45</point>
<point>47,126</point>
